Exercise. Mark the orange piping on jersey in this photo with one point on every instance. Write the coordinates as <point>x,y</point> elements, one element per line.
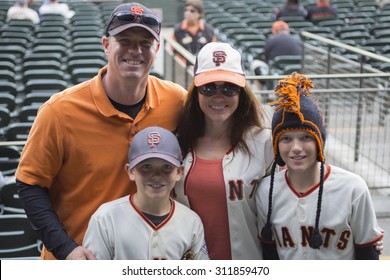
<point>189,171</point>
<point>131,198</point>
<point>312,189</point>
<point>229,150</point>
<point>369,243</point>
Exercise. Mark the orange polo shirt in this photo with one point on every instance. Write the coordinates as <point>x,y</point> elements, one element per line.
<point>78,146</point>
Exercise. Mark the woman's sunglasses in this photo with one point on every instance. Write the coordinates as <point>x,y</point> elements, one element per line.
<point>227,89</point>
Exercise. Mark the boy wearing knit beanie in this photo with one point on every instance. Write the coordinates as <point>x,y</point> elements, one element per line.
<point>311,210</point>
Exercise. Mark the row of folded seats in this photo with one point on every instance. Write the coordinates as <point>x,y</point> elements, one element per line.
<point>247,25</point>
<point>18,239</point>
<point>39,60</point>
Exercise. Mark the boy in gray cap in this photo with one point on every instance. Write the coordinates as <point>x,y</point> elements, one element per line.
<point>148,224</point>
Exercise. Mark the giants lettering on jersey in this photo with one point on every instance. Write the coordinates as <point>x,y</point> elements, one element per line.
<point>330,237</point>
<point>236,189</point>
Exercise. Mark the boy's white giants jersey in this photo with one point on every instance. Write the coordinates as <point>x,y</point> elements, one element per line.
<point>120,231</point>
<point>347,216</point>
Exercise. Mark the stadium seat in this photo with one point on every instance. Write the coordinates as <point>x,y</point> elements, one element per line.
<point>385,67</point>
<point>8,87</point>
<point>9,199</point>
<point>7,75</point>
<point>378,44</point>
<point>58,24</point>
<point>8,101</point>
<point>50,31</point>
<point>49,42</point>
<point>88,47</point>
<point>277,65</point>
<point>52,17</point>
<point>333,23</point>
<point>386,50</point>
<point>43,64</point>
<point>87,34</point>
<point>85,41</point>
<point>357,36</point>
<point>85,63</point>
<point>18,240</point>
<point>15,29</point>
<point>36,57</point>
<point>295,26</point>
<point>17,51</point>
<point>35,74</point>
<point>100,55</point>
<point>382,34</point>
<point>13,34</point>
<point>18,131</point>
<point>383,19</point>
<point>62,50</point>
<point>378,27</point>
<point>350,28</point>
<point>368,21</point>
<point>48,85</point>
<point>222,19</point>
<point>9,159</point>
<point>6,57</point>
<point>22,23</point>
<point>5,118</point>
<point>6,65</point>
<point>21,42</point>
<point>88,22</point>
<point>85,28</point>
<point>27,113</point>
<point>79,75</point>
<point>36,98</point>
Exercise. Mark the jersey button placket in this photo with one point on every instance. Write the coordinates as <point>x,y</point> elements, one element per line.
<point>155,240</point>
<point>301,210</point>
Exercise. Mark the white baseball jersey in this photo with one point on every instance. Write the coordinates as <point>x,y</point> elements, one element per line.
<point>118,230</point>
<point>242,174</point>
<point>347,216</point>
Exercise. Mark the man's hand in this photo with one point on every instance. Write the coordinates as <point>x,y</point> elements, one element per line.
<point>81,253</point>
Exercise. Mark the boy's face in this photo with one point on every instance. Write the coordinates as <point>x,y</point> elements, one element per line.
<point>298,149</point>
<point>154,177</point>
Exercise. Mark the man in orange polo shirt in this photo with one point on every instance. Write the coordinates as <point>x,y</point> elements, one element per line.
<point>74,157</point>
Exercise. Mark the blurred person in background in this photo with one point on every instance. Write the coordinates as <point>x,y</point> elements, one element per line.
<point>21,11</point>
<point>54,7</point>
<point>193,32</point>
<point>291,8</point>
<point>281,42</point>
<point>322,10</point>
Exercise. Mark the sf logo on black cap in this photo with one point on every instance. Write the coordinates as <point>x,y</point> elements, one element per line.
<point>137,10</point>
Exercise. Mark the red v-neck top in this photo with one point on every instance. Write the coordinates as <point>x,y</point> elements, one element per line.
<point>207,197</point>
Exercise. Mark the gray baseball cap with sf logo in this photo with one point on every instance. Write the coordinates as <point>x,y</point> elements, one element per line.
<point>155,142</point>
